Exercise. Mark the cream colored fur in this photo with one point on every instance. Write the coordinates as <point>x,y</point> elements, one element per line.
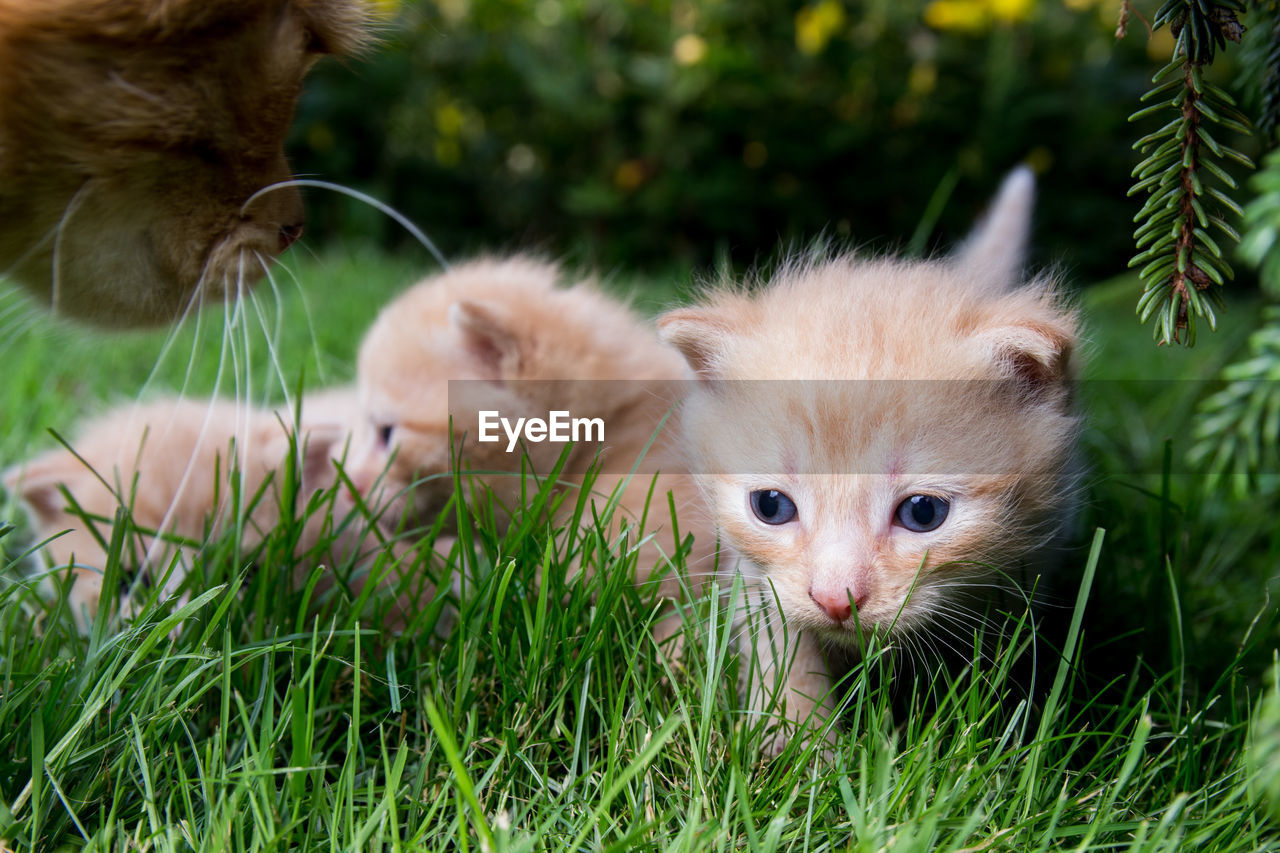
<point>171,463</point>
<point>509,327</point>
<point>851,385</point>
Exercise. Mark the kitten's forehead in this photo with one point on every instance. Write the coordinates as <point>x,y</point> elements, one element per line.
<point>861,320</point>
<point>894,428</point>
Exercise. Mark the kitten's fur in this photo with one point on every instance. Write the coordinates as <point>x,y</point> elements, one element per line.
<point>171,463</point>
<point>995,439</point>
<point>132,133</point>
<point>506,325</point>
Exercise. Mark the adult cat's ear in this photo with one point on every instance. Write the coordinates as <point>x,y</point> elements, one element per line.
<point>486,337</point>
<point>699,335</point>
<point>996,248</point>
<point>341,27</point>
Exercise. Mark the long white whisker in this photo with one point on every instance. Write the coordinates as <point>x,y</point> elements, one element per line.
<point>356,194</point>
<point>21,318</point>
<point>271,345</point>
<point>55,284</point>
<point>191,309</point>
<point>311,326</point>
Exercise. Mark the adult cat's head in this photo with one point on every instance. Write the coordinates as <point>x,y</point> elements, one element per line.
<point>132,134</point>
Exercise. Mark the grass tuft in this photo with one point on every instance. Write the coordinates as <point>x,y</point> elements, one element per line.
<point>271,704</point>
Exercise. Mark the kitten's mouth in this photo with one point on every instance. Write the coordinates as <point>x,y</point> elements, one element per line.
<point>854,630</point>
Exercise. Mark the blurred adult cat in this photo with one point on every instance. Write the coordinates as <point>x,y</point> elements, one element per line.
<point>132,134</point>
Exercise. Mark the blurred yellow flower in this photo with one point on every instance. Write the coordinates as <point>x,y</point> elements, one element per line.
<point>1160,45</point>
<point>1011,10</point>
<point>755,154</point>
<point>629,175</point>
<point>689,49</point>
<point>452,10</point>
<point>320,137</point>
<point>386,8</point>
<point>956,14</point>
<point>923,78</point>
<point>448,152</point>
<point>974,15</point>
<point>816,24</point>
<point>1040,159</point>
<point>449,119</point>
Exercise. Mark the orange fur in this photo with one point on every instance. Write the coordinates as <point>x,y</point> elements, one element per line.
<point>132,133</point>
<point>850,386</point>
<point>171,464</point>
<point>506,326</point>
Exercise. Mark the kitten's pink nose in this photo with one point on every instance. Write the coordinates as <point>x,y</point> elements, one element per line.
<point>362,481</point>
<point>835,603</point>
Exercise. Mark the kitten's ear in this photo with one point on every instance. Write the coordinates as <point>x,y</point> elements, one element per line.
<point>699,335</point>
<point>1035,354</point>
<point>320,445</point>
<point>36,484</point>
<point>996,248</point>
<point>485,337</point>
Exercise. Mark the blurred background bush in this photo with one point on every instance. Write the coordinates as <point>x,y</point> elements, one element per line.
<point>648,133</point>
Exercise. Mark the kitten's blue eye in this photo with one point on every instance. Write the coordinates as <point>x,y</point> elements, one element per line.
<point>922,513</point>
<point>772,506</point>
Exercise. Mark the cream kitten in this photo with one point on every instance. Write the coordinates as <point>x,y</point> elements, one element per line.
<point>921,432</point>
<point>171,463</point>
<point>507,327</point>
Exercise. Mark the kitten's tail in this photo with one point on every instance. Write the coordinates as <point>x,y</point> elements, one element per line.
<point>996,248</point>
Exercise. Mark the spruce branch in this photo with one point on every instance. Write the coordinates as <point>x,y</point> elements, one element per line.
<point>1269,112</point>
<point>1237,430</point>
<point>1260,245</point>
<point>1182,265</point>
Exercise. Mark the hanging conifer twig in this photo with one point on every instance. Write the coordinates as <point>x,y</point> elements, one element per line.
<point>1182,265</point>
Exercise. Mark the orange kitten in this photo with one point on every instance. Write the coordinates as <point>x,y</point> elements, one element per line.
<point>508,327</point>
<point>908,431</point>
<point>168,461</point>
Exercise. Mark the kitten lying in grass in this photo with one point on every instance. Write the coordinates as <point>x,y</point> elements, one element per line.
<point>879,438</point>
<point>133,134</point>
<point>187,469</point>
<point>527,347</point>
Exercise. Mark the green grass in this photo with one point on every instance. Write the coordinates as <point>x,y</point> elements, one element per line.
<point>272,708</point>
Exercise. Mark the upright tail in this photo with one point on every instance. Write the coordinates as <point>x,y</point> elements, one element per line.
<point>996,248</point>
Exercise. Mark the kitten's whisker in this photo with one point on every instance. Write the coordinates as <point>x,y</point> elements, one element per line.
<point>381,207</point>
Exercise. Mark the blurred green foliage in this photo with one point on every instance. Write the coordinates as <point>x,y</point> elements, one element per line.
<point>653,132</point>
